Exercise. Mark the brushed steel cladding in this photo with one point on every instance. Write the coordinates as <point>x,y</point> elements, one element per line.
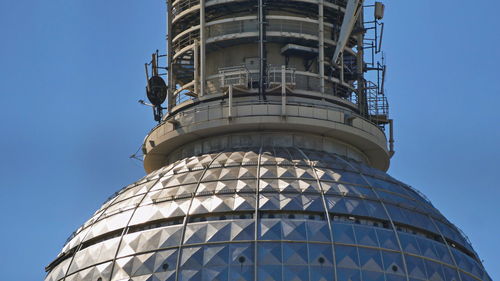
<point>267,213</point>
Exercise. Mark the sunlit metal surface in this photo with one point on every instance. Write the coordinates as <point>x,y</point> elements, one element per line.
<point>319,217</point>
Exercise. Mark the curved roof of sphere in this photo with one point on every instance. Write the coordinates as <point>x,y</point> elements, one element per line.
<point>305,199</point>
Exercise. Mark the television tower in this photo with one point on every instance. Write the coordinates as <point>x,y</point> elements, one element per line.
<point>269,159</point>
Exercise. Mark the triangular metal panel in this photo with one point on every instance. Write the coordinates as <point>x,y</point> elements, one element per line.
<point>348,274</point>
<point>409,244</point>
<point>247,172</point>
<point>270,229</point>
<point>244,202</point>
<point>317,231</point>
<point>269,201</point>
<point>192,258</point>
<point>372,275</point>
<point>427,247</point>
<point>294,230</point>
<point>309,186</point>
<point>218,231</point>
<point>320,255</point>
<point>312,203</point>
<point>245,185</point>
<point>270,273</point>
<point>416,267</point>
<point>216,255</point>
<point>365,236</point>
<point>201,205</point>
<point>270,253</point>
<point>370,259</point>
<point>269,171</point>
<point>434,271</point>
<point>242,230</point>
<point>346,256</point>
<point>295,253</point>
<point>343,233</point>
<point>268,185</point>
<point>290,201</point>
<point>335,204</point>
<point>241,254</point>
<point>393,263</point>
<point>295,273</point>
<point>387,239</point>
<point>241,273</point>
<point>219,273</point>
<point>195,233</point>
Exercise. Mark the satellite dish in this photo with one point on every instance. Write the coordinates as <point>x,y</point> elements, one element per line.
<point>156,90</point>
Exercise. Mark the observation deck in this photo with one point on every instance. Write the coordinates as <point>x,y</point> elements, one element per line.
<point>220,122</point>
<point>241,74</point>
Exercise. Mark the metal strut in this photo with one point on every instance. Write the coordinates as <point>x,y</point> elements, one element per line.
<point>262,52</point>
<point>352,12</point>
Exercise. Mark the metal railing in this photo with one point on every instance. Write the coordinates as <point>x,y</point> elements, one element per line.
<point>234,27</point>
<point>273,25</point>
<point>238,75</point>
<point>186,40</point>
<point>292,26</point>
<point>275,74</point>
<point>378,107</point>
<point>182,5</point>
<point>341,3</point>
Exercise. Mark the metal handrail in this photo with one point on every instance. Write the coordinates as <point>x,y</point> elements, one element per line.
<point>238,75</point>
<point>182,5</point>
<point>274,74</point>
<point>343,110</point>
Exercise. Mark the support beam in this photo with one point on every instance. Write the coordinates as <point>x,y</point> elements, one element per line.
<point>262,51</point>
<point>202,49</point>
<point>171,80</point>
<point>196,67</point>
<point>283,91</point>
<point>352,12</point>
<point>342,68</point>
<point>230,109</point>
<point>321,46</point>
<point>391,138</point>
<point>362,98</point>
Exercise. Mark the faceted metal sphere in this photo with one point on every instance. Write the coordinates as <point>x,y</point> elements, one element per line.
<point>319,217</point>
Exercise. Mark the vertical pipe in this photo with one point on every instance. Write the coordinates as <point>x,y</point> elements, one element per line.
<point>342,68</point>
<point>154,66</point>
<point>202,48</point>
<point>362,98</point>
<point>321,46</point>
<point>262,54</point>
<point>196,68</point>
<point>391,138</point>
<point>230,109</point>
<point>283,91</point>
<point>171,80</point>
<point>147,76</point>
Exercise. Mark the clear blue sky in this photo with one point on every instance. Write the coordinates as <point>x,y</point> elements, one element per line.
<point>71,72</point>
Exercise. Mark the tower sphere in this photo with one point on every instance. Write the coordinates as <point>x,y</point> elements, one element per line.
<point>270,162</point>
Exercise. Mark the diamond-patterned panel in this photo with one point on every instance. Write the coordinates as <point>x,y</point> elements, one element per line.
<point>347,256</point>
<point>293,235</point>
<point>95,254</point>
<point>365,235</point>
<point>158,265</point>
<point>59,271</point>
<point>154,239</point>
<point>95,272</point>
